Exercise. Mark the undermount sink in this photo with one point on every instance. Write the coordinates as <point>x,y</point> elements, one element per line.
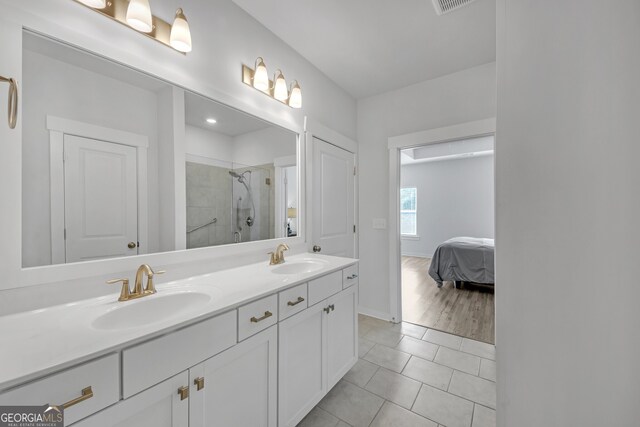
<point>299,267</point>
<point>148,310</point>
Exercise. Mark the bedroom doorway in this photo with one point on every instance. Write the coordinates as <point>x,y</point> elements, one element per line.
<point>444,235</point>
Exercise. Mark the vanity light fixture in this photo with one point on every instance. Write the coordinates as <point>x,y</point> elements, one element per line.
<point>280,91</point>
<point>258,78</point>
<point>180,38</point>
<point>295,98</point>
<point>136,14</point>
<point>212,121</point>
<point>96,4</point>
<point>139,16</point>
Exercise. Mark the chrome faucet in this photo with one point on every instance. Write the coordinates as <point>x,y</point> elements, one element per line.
<point>138,291</point>
<point>277,257</point>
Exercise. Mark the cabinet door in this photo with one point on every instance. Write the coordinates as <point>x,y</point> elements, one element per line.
<point>301,373</point>
<point>342,334</point>
<point>158,406</point>
<point>237,387</point>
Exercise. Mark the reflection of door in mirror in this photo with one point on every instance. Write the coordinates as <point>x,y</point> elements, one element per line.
<point>100,199</point>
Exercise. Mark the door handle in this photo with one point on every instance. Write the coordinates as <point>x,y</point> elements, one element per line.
<point>13,101</point>
<point>132,245</point>
<point>316,248</point>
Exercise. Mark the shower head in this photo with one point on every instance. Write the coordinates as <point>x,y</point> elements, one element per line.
<point>239,176</point>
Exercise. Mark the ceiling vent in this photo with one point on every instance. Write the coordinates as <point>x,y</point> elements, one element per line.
<point>446,6</point>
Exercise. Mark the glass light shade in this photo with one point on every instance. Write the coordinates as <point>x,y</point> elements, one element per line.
<point>260,76</point>
<point>139,16</point>
<point>295,99</point>
<point>96,4</point>
<point>292,213</point>
<point>280,91</point>
<point>180,38</point>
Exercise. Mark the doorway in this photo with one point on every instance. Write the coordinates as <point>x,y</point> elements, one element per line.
<point>443,231</point>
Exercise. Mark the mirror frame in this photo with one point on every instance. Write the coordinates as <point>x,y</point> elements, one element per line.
<point>278,115</point>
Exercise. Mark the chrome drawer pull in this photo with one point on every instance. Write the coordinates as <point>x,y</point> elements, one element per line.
<point>183,392</point>
<point>87,393</point>
<point>296,302</point>
<point>353,276</point>
<point>199,383</point>
<point>267,314</point>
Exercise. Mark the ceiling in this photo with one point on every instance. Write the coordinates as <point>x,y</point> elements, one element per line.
<point>229,122</point>
<point>370,47</point>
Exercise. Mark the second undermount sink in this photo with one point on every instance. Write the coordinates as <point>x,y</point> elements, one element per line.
<point>299,267</point>
<point>149,310</point>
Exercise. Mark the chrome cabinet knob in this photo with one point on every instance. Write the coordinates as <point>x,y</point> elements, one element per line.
<point>316,248</point>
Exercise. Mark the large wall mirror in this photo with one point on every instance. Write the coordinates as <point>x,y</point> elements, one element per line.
<point>117,163</point>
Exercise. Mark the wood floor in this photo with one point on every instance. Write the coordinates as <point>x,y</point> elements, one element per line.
<point>468,312</point>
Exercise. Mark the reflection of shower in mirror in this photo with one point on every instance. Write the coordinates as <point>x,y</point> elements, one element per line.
<point>242,180</point>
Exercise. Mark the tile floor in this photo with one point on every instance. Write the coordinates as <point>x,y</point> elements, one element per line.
<point>409,376</point>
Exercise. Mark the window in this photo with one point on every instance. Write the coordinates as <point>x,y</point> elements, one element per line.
<point>408,210</point>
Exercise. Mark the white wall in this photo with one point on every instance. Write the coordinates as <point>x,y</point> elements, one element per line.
<point>568,203</point>
<point>455,198</point>
<point>262,146</point>
<point>52,87</point>
<point>209,144</point>
<point>457,98</point>
<point>224,37</point>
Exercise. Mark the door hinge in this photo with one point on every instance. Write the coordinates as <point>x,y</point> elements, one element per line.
<point>354,171</point>
<point>354,228</point>
<point>65,234</point>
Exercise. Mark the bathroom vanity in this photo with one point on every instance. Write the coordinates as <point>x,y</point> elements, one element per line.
<point>257,345</point>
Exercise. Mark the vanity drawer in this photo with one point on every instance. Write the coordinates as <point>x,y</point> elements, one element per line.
<point>349,276</point>
<point>256,316</point>
<point>292,301</point>
<point>154,361</point>
<point>102,375</point>
<point>324,287</point>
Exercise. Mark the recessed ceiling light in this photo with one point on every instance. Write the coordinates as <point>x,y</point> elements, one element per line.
<point>212,121</point>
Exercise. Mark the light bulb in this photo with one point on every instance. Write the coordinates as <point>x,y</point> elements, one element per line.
<point>280,91</point>
<point>96,4</point>
<point>180,38</point>
<point>212,121</point>
<point>295,99</point>
<point>260,76</point>
<point>139,16</point>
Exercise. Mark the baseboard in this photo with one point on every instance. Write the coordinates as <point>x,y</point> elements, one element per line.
<point>374,313</point>
<point>417,254</point>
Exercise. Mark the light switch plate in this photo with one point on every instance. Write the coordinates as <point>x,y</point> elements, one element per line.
<point>379,223</point>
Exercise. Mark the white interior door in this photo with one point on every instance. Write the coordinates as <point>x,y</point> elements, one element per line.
<point>333,199</point>
<point>100,193</point>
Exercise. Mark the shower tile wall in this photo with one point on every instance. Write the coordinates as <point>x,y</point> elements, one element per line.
<point>208,196</point>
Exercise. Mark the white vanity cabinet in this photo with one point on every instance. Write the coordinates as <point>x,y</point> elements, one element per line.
<point>159,406</point>
<point>265,363</point>
<point>316,348</point>
<point>237,387</point>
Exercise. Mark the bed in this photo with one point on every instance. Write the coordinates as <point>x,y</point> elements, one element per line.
<point>464,259</point>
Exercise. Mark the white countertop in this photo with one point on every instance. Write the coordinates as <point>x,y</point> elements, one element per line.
<point>39,342</point>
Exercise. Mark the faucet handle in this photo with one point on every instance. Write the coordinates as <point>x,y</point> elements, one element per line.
<point>124,292</point>
<point>150,288</point>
